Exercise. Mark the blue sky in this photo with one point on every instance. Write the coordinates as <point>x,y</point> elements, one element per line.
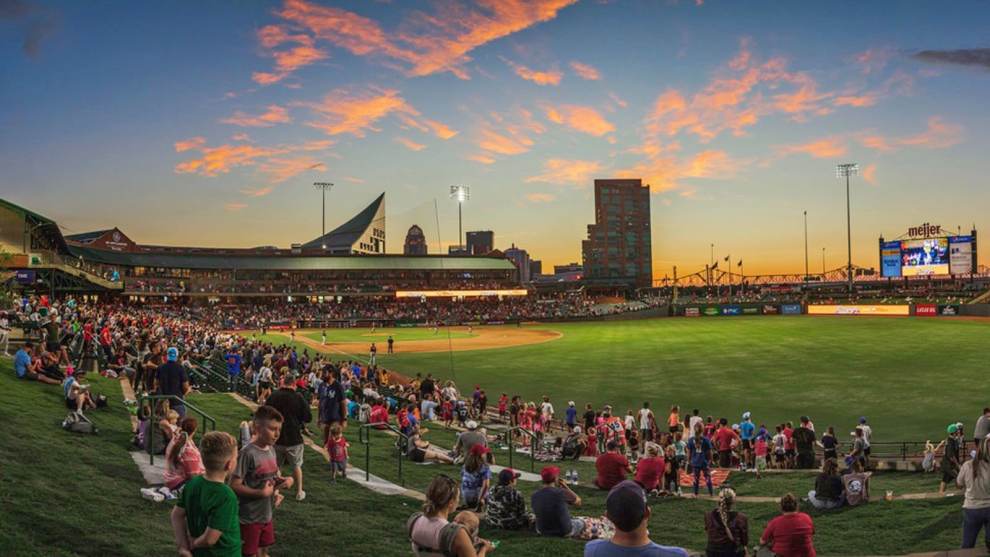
<point>206,123</point>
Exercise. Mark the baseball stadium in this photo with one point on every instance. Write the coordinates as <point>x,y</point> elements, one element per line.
<point>189,365</point>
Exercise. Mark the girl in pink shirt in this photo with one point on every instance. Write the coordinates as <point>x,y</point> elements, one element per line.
<point>182,458</point>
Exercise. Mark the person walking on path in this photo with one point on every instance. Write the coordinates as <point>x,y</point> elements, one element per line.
<point>289,446</point>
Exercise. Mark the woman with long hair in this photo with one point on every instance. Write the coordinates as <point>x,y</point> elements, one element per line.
<point>728,530</point>
<point>475,476</point>
<point>431,534</point>
<point>182,458</point>
<point>828,487</point>
<point>974,478</point>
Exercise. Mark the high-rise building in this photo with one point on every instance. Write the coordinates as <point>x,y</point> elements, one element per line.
<point>415,241</point>
<point>480,242</point>
<point>520,258</point>
<point>535,268</point>
<point>618,250</point>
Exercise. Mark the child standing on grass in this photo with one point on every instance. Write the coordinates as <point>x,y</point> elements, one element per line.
<point>337,449</point>
<point>256,480</point>
<point>204,519</point>
<point>761,451</point>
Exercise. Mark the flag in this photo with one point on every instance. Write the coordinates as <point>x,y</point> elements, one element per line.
<point>715,266</point>
<point>740,263</point>
<point>727,257</point>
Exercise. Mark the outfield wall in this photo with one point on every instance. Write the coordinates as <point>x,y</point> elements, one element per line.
<point>796,308</point>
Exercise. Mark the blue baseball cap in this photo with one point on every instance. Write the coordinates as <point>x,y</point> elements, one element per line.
<point>172,354</point>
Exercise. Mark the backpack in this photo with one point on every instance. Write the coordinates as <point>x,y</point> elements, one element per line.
<point>78,423</point>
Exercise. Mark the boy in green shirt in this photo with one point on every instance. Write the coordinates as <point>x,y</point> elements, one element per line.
<point>205,518</point>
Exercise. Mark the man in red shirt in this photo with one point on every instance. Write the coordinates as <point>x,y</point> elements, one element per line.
<point>792,533</point>
<point>612,467</point>
<point>724,438</point>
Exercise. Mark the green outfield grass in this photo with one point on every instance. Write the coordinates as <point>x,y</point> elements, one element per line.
<point>910,377</point>
<point>380,336</point>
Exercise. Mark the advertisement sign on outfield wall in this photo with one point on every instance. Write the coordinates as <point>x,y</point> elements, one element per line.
<point>769,309</point>
<point>692,312</point>
<point>711,311</point>
<point>731,310</point>
<point>751,311</point>
<point>926,310</point>
<point>859,310</point>
<point>790,309</point>
<point>948,310</point>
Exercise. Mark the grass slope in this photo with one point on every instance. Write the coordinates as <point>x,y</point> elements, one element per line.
<point>895,371</point>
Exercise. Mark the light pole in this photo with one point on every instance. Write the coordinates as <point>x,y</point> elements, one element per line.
<point>823,263</point>
<point>846,170</point>
<point>324,187</point>
<point>806,247</point>
<point>461,194</point>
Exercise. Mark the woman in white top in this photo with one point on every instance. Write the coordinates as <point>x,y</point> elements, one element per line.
<point>431,534</point>
<point>974,477</point>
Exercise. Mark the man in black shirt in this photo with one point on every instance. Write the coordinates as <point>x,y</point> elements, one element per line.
<point>427,386</point>
<point>295,411</point>
<point>171,379</point>
<point>804,441</point>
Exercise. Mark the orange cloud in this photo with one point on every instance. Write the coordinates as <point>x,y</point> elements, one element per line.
<point>939,134</point>
<point>822,149</point>
<point>870,174</point>
<point>561,171</point>
<point>342,111</point>
<point>354,179</point>
<point>539,197</point>
<point>874,59</point>
<point>483,159</point>
<point>504,144</point>
<point>710,164</point>
<point>867,99</point>
<point>440,130</point>
<point>423,44</point>
<point>234,207</point>
<point>275,114</point>
<point>806,99</point>
<point>258,192</point>
<point>219,160</point>
<point>191,143</point>
<point>240,137</point>
<point>287,61</point>
<point>618,100</point>
<point>581,118</point>
<point>551,77</point>
<point>281,169</point>
<point>410,144</point>
<point>585,71</point>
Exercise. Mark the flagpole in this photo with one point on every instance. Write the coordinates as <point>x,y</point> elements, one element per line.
<point>729,260</point>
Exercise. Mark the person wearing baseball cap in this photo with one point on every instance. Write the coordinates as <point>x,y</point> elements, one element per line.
<point>550,505</point>
<point>505,506</point>
<point>626,507</point>
<point>171,379</point>
<point>950,457</point>
<point>475,476</point>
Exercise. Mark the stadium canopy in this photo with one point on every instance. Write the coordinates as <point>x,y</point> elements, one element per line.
<point>346,235</point>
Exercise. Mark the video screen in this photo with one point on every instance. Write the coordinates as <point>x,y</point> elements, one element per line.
<point>890,259</point>
<point>928,256</point>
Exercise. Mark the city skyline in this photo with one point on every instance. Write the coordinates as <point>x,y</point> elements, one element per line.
<point>207,125</point>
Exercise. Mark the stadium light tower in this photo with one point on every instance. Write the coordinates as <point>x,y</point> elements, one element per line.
<point>846,170</point>
<point>324,187</point>
<point>461,194</point>
<point>806,248</point>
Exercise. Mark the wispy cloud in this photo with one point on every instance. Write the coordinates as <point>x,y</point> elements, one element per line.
<point>220,159</point>
<point>191,143</point>
<point>258,192</point>
<point>826,148</point>
<point>979,57</point>
<point>234,207</point>
<point>549,77</point>
<point>873,60</point>
<point>584,119</point>
<point>279,169</point>
<point>539,197</point>
<point>481,158</point>
<point>563,171</point>
<point>506,134</point>
<point>870,174</point>
<point>343,111</point>
<point>585,71</point>
<point>409,144</point>
<point>938,134</point>
<point>287,60</point>
<point>423,43</point>
<point>274,114</point>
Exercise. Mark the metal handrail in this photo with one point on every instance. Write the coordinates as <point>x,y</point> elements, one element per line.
<point>534,440</point>
<point>364,437</point>
<point>150,441</point>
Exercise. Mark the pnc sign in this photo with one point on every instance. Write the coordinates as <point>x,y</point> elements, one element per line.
<point>926,230</point>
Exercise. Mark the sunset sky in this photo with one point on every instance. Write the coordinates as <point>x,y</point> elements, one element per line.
<point>205,123</point>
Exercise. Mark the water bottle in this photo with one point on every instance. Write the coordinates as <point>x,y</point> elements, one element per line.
<point>574,474</point>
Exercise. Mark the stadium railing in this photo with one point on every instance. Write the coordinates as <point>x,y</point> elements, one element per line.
<point>402,444</point>
<point>209,423</point>
<point>533,443</point>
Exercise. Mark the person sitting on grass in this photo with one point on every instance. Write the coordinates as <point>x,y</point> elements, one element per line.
<point>828,487</point>
<point>612,467</point>
<point>77,395</point>
<point>550,505</point>
<point>475,477</point>
<point>419,450</point>
<point>471,523</point>
<point>574,444</point>
<point>650,469</point>
<point>974,478</point>
<point>728,530</point>
<point>183,460</point>
<point>205,518</point>
<point>432,534</point>
<point>27,368</point>
<point>505,507</point>
<point>790,534</point>
<point>626,508</point>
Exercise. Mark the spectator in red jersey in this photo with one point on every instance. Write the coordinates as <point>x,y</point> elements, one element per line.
<point>650,469</point>
<point>612,467</point>
<point>790,534</point>
<point>724,440</point>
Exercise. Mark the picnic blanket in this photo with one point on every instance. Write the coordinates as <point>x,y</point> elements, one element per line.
<point>719,476</point>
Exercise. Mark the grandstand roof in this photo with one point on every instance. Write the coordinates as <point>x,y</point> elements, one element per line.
<point>17,209</point>
<point>292,263</point>
<point>87,236</point>
<point>344,236</point>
